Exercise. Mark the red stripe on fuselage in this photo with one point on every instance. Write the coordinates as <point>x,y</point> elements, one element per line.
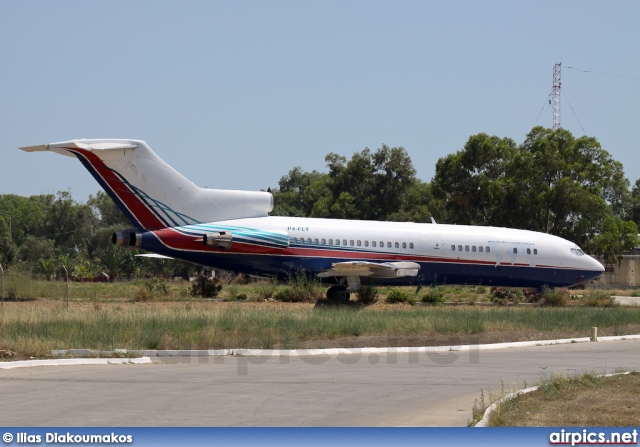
<point>136,207</point>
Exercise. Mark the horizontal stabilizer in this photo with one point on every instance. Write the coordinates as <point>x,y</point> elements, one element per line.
<point>89,145</point>
<point>153,255</point>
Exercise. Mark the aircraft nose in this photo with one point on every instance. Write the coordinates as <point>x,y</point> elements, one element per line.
<point>595,268</point>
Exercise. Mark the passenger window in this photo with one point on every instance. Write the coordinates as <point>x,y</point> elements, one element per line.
<point>337,241</point>
<point>528,251</point>
<point>309,241</point>
<point>351,242</point>
<point>515,251</point>
<point>330,241</point>
<point>344,242</point>
<point>488,249</point>
<point>459,247</point>
<point>373,244</point>
<point>366,243</point>
<point>381,244</point>
<point>535,251</point>
<point>388,244</point>
<point>480,249</point>
<point>358,243</point>
<point>411,245</point>
<point>397,245</point>
<point>453,248</point>
<point>404,245</point>
<point>473,249</point>
<point>466,248</point>
<point>324,242</point>
<point>315,241</point>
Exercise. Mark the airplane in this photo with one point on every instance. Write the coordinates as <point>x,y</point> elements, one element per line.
<point>232,230</point>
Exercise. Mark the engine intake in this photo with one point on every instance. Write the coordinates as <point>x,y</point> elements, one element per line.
<point>128,239</point>
<point>221,239</point>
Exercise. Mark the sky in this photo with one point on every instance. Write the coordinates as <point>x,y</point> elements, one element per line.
<point>235,94</point>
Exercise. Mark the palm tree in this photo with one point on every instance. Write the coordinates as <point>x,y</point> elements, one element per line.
<point>47,266</point>
<point>113,259</point>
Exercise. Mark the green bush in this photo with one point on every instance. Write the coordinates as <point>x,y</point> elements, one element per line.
<point>206,287</point>
<point>265,290</point>
<point>368,294</point>
<point>505,295</point>
<point>434,296</point>
<point>400,296</point>
<point>150,290</point>
<point>554,298</point>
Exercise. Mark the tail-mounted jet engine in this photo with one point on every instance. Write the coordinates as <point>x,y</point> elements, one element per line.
<point>221,239</point>
<point>128,239</point>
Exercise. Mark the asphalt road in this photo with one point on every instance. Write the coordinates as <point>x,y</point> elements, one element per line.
<point>345,390</point>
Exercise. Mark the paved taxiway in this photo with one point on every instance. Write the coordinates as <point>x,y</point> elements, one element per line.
<point>345,390</point>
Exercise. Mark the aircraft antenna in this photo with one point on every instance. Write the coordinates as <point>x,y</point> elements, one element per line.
<point>555,95</point>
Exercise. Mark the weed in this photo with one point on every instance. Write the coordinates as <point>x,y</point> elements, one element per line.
<point>300,289</point>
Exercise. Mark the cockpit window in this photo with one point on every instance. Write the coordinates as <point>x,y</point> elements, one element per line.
<point>577,252</point>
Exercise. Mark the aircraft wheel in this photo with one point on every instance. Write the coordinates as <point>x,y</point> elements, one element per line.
<point>337,294</point>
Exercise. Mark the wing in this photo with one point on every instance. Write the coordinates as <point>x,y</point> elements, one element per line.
<point>371,269</point>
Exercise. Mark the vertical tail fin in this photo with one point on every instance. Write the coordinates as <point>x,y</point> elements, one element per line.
<point>151,193</point>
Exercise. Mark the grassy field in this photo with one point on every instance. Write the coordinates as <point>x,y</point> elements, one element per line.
<point>156,315</point>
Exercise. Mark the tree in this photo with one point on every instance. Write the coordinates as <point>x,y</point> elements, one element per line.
<point>552,183</point>
<point>474,184</point>
<point>298,192</point>
<point>106,211</point>
<point>617,236</point>
<point>67,222</point>
<point>370,186</point>
<point>634,205</point>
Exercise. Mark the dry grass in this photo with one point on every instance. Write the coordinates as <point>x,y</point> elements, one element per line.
<point>575,401</point>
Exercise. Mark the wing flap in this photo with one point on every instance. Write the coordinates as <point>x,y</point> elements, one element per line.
<point>372,269</point>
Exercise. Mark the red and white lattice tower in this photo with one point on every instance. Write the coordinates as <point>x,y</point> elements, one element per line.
<point>555,96</point>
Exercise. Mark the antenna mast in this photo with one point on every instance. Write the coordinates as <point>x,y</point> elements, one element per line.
<point>555,96</point>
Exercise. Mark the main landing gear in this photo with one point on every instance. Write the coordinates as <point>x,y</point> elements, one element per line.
<point>338,294</point>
